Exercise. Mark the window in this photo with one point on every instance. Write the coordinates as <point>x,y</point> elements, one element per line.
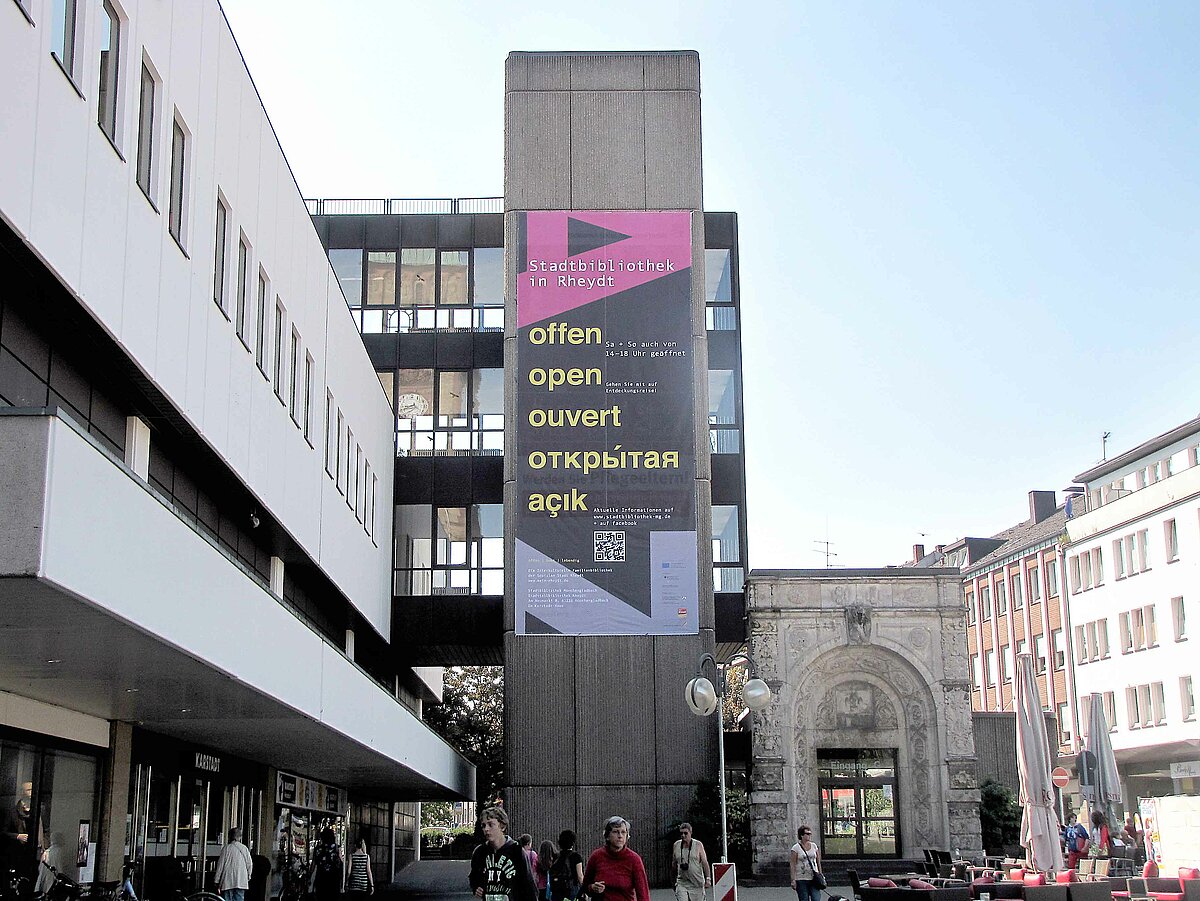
<point>339,470</point>
<point>110,65</point>
<point>371,518</point>
<point>1018,596</point>
<point>1064,723</point>
<point>280,318</point>
<point>294,380</point>
<point>1001,599</point>
<point>308,395</point>
<point>220,250</point>
<point>970,609</point>
<point>720,315</point>
<point>1074,569</point>
<point>348,267</point>
<point>1102,636</point>
<point>723,432</point>
<point>1002,655</point>
<point>985,601</point>
<point>65,18</point>
<point>1179,619</point>
<point>241,311</point>
<point>145,146</point>
<point>449,550</point>
<point>1110,710</point>
<point>1143,547</point>
<point>1125,627</point>
<point>973,671</point>
<point>447,412</point>
<point>989,668</point>
<point>1093,641</point>
<point>330,439</point>
<point>1052,578</point>
<point>177,211</point>
<point>1039,653</point>
<point>1187,698</point>
<point>354,498</point>
<point>1146,705</point>
<point>348,460</point>
<point>1057,649</point>
<point>1035,584</point>
<point>1171,540</point>
<point>728,574</point>
<point>1097,567</point>
<point>1138,627</point>
<point>1081,645</point>
<point>260,335</point>
<point>1148,615</point>
<point>1118,559</point>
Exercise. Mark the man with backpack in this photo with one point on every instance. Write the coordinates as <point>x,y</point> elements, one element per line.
<point>1075,840</point>
<point>566,873</point>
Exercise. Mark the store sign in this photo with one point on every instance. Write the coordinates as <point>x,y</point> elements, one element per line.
<point>1187,769</point>
<point>208,762</point>
<point>606,539</point>
<point>296,791</point>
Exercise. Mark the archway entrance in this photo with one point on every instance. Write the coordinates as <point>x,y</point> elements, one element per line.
<point>858,802</point>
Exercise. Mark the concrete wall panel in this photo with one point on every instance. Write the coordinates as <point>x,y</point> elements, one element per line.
<point>544,706</point>
<point>545,811</point>
<point>537,151</point>
<point>672,71</point>
<point>537,72</point>
<point>616,708</point>
<point>673,150</point>
<point>25,442</point>
<point>675,659</point>
<point>607,71</point>
<point>608,150</point>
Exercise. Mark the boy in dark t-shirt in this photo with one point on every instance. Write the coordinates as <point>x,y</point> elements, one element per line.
<point>499,871</point>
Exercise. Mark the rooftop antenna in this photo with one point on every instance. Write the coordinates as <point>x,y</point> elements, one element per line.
<point>1104,446</point>
<point>826,548</point>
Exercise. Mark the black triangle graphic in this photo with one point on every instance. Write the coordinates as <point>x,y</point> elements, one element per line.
<point>535,626</point>
<point>583,236</point>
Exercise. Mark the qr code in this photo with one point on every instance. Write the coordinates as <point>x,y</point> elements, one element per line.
<point>609,547</point>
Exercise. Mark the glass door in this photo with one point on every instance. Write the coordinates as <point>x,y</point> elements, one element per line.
<point>191,825</point>
<point>858,803</point>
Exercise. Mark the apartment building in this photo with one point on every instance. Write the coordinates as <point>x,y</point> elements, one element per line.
<point>1133,573</point>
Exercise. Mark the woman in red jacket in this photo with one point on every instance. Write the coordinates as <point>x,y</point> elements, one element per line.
<point>615,872</point>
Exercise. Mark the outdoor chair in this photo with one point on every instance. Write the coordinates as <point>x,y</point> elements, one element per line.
<point>1087,866</point>
<point>855,887</point>
<point>1101,870</point>
<point>1089,891</point>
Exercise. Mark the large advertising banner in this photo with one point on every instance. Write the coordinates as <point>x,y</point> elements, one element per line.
<point>606,497</point>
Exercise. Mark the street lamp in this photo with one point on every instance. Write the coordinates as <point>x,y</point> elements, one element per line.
<point>703,698</point>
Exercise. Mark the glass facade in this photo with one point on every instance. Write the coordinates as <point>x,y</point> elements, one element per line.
<point>50,801</point>
<point>449,550</point>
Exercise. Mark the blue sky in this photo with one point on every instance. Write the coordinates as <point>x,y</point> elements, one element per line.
<point>969,232</point>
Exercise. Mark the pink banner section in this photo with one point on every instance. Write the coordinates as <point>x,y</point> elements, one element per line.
<point>577,257</point>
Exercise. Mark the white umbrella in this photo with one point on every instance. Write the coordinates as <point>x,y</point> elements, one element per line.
<point>1039,824</point>
<point>1107,788</point>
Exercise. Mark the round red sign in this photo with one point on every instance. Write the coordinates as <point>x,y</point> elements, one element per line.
<point>1060,776</point>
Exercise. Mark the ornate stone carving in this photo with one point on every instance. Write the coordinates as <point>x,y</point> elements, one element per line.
<point>858,624</point>
<point>918,637</point>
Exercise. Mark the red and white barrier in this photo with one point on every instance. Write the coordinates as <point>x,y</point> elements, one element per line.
<point>724,882</point>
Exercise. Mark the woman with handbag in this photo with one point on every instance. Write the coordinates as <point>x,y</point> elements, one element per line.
<point>805,860</point>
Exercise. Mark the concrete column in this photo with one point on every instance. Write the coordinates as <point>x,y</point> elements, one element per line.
<point>115,799</point>
<point>597,726</point>
<point>137,447</point>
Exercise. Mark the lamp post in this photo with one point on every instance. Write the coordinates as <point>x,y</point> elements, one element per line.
<point>703,698</point>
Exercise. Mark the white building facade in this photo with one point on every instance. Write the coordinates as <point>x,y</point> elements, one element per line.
<point>196,463</point>
<point>1133,576</point>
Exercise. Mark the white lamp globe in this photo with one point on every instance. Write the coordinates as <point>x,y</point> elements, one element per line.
<point>755,694</point>
<point>701,696</point>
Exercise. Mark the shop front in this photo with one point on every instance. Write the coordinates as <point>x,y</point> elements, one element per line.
<point>183,800</point>
<point>49,806</point>
<point>304,808</point>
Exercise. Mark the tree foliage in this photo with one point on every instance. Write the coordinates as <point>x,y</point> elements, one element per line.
<point>437,813</point>
<point>471,718</point>
<point>999,816</point>
<point>735,680</point>
<point>704,813</point>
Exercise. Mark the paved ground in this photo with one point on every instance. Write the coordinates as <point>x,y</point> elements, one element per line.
<point>432,879</point>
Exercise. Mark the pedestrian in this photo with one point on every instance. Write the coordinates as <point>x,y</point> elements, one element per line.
<point>547,853</point>
<point>566,875</point>
<point>359,880</point>
<point>525,840</point>
<point>1076,838</point>
<point>326,880</point>
<point>1101,845</point>
<point>804,860</point>
<point>499,868</point>
<point>233,868</point>
<point>614,870</point>
<point>690,864</point>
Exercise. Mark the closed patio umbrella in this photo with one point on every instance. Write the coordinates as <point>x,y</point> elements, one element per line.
<point>1039,824</point>
<point>1106,789</point>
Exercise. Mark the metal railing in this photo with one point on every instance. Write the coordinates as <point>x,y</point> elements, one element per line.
<point>389,206</point>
